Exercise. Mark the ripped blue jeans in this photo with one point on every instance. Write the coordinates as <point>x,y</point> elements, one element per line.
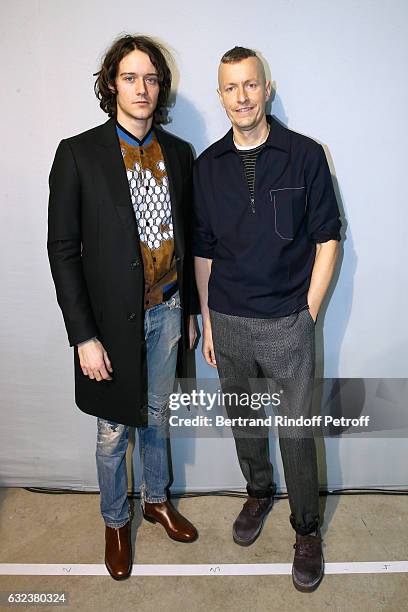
<point>162,326</point>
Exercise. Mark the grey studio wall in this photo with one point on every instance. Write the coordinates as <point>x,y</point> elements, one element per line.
<point>339,76</point>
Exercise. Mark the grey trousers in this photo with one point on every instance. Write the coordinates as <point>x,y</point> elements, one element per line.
<point>281,353</point>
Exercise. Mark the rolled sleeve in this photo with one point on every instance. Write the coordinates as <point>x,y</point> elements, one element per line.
<point>204,241</point>
<point>323,212</point>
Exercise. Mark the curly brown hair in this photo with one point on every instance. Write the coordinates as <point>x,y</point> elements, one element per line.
<point>109,68</point>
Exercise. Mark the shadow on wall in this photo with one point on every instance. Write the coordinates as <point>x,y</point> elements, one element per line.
<point>343,283</point>
<point>190,124</point>
<point>192,128</point>
<point>181,112</point>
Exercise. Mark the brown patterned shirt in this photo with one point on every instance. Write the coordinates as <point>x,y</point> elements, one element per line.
<point>149,191</point>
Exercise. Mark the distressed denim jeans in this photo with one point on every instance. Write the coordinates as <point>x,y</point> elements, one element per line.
<point>162,326</point>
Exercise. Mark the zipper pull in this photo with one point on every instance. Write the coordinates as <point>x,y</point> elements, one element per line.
<point>253,204</point>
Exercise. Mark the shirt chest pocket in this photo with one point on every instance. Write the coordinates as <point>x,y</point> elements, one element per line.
<point>288,210</point>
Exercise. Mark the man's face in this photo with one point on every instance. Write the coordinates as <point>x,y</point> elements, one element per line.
<point>137,86</point>
<point>243,92</point>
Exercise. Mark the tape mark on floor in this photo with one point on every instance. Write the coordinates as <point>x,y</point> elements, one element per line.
<point>228,569</point>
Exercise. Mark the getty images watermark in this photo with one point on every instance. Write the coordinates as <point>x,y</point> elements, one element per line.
<point>246,402</point>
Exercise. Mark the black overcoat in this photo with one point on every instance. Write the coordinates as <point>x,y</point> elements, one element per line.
<point>96,263</point>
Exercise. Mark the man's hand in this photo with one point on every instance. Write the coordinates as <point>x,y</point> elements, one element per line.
<point>208,346</point>
<point>192,330</point>
<point>202,267</point>
<point>323,268</point>
<point>94,360</point>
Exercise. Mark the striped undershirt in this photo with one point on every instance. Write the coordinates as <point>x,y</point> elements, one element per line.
<point>248,157</point>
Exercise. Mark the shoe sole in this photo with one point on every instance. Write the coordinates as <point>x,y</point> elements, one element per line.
<point>149,519</point>
<point>249,542</point>
<point>303,588</point>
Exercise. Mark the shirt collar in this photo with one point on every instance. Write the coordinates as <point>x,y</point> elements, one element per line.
<point>130,138</point>
<point>278,138</point>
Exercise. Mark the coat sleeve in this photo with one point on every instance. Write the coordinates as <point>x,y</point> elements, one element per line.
<point>194,302</point>
<point>64,245</point>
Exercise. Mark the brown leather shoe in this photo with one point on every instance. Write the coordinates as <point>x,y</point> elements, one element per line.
<point>249,522</point>
<point>308,564</point>
<point>177,526</point>
<point>118,551</point>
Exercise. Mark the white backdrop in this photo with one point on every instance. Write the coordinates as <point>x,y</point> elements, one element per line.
<point>339,73</point>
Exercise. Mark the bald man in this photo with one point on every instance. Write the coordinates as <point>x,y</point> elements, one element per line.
<point>266,233</point>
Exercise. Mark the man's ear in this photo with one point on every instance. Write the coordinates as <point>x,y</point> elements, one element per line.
<point>112,88</point>
<point>268,89</point>
<point>220,96</point>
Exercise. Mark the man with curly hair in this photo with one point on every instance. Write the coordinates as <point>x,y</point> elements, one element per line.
<point>119,250</point>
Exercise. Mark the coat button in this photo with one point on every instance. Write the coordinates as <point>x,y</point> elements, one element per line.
<point>178,258</point>
<point>135,263</point>
<point>132,316</point>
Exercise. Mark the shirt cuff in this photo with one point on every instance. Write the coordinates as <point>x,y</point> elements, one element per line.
<point>84,341</point>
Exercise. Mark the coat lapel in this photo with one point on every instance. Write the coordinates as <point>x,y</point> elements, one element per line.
<point>114,171</point>
<point>174,175</point>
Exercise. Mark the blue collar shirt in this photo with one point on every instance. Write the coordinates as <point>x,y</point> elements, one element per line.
<point>263,251</point>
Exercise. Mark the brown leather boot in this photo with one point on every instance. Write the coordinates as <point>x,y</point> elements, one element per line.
<point>308,564</point>
<point>249,522</point>
<point>118,551</point>
<point>177,526</point>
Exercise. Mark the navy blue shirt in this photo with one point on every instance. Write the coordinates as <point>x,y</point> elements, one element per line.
<point>263,260</point>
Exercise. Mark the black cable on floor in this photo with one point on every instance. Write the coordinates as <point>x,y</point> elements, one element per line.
<point>240,494</point>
